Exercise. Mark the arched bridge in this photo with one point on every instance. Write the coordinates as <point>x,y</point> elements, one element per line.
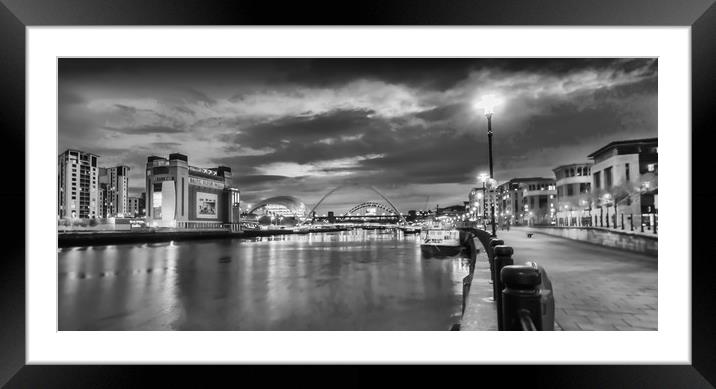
<point>349,185</point>
<point>369,205</point>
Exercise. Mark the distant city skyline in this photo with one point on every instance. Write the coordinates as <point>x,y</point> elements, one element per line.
<point>300,127</point>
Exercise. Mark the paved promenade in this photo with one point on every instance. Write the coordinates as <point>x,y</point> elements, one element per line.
<point>595,287</point>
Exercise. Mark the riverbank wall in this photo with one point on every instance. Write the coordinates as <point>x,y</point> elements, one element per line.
<point>479,312</point>
<point>625,240</point>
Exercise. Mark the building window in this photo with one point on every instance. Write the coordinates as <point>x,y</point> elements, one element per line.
<point>579,171</point>
<point>543,202</point>
<point>608,178</point>
<point>626,171</point>
<point>570,190</point>
<point>597,180</point>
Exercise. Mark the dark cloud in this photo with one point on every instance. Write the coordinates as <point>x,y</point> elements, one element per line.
<point>258,179</point>
<point>195,95</point>
<point>126,109</point>
<point>141,130</point>
<point>165,145</point>
<point>67,97</point>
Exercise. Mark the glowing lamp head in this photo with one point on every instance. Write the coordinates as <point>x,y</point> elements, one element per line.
<point>487,103</point>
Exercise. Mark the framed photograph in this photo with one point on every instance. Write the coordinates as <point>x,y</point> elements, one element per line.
<point>398,185</point>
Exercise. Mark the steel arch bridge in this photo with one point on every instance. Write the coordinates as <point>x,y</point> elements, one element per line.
<point>369,205</point>
<point>372,188</point>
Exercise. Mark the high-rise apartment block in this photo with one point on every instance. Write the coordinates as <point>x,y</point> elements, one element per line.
<point>114,191</point>
<point>77,184</point>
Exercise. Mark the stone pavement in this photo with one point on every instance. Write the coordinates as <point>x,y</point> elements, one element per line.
<point>595,287</point>
<point>480,310</point>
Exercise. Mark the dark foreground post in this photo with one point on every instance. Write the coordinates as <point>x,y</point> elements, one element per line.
<point>527,301</point>
<point>503,257</point>
<point>491,258</point>
<point>521,303</point>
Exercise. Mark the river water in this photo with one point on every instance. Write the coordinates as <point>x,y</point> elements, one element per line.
<point>352,280</point>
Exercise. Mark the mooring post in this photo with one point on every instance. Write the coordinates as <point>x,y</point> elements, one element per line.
<point>521,301</point>
<point>503,257</point>
<point>491,257</point>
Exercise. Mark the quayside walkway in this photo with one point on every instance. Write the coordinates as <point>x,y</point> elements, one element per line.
<point>595,287</point>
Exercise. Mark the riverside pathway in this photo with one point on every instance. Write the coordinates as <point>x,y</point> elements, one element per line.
<point>595,287</point>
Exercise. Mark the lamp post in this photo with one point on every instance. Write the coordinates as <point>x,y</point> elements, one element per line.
<point>483,178</point>
<point>488,106</point>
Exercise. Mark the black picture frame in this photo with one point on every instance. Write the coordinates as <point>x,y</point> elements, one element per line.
<point>16,15</point>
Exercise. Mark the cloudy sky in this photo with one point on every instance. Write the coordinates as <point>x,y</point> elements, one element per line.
<point>410,127</point>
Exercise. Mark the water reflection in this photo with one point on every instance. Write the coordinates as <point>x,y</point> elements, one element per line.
<point>353,280</point>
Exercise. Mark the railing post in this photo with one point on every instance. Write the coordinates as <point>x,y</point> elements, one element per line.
<point>521,294</point>
<point>622,221</point>
<point>631,222</point>
<point>503,257</point>
<point>491,258</point>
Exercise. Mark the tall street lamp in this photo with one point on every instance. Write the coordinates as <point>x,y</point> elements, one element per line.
<point>488,104</point>
<point>483,178</point>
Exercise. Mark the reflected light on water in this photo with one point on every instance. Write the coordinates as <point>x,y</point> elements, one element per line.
<point>352,280</point>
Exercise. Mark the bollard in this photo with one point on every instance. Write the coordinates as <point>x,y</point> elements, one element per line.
<point>527,298</point>
<point>491,258</point>
<point>547,297</point>
<point>503,257</point>
<point>519,296</point>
